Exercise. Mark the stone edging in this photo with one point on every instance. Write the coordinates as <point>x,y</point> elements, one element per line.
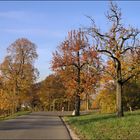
<point>70,131</point>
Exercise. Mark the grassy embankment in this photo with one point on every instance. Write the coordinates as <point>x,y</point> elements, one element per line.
<point>106,126</point>
<point>15,115</point>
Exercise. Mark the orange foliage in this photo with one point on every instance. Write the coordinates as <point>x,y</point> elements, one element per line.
<point>72,59</point>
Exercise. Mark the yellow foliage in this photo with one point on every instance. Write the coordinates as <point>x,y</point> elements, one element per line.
<point>106,101</point>
<point>7,101</point>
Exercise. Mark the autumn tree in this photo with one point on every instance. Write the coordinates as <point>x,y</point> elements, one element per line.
<point>51,89</point>
<point>106,98</point>
<point>131,98</point>
<point>35,99</point>
<point>121,45</point>
<point>5,100</point>
<point>90,82</point>
<point>75,53</point>
<point>18,69</point>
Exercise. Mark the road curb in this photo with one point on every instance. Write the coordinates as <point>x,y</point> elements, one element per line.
<point>73,136</point>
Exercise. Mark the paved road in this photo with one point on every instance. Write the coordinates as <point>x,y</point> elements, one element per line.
<point>39,125</point>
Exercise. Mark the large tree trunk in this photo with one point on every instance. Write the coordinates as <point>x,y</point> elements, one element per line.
<point>119,100</point>
<point>119,92</point>
<point>77,105</point>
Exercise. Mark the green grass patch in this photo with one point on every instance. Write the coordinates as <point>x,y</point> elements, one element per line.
<point>15,115</point>
<point>106,126</point>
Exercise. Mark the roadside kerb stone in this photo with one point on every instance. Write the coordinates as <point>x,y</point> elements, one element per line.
<point>71,132</point>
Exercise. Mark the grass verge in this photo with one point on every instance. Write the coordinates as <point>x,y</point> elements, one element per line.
<point>15,115</point>
<point>106,126</point>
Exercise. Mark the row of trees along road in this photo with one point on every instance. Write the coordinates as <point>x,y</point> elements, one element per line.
<point>80,67</point>
<point>75,55</point>
<point>17,75</point>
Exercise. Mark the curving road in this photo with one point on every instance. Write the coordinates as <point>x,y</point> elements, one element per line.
<point>38,125</point>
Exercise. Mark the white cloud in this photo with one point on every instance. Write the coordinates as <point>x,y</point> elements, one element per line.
<point>13,14</point>
<point>28,16</point>
<point>33,31</point>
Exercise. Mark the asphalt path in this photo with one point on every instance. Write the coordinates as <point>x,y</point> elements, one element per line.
<point>37,125</point>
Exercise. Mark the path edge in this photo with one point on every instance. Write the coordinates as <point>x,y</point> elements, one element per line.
<point>73,136</point>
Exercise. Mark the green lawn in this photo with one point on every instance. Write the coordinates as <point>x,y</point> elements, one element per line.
<point>14,115</point>
<point>106,126</point>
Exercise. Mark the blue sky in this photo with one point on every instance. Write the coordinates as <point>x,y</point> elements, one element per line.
<point>46,23</point>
